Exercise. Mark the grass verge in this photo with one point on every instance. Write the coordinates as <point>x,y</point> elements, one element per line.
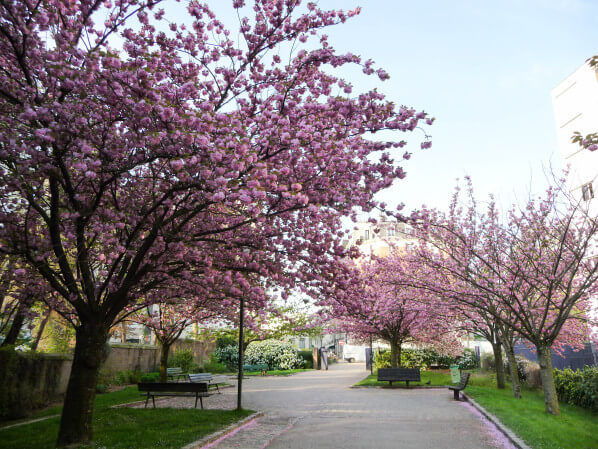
<point>575,428</point>
<point>125,427</point>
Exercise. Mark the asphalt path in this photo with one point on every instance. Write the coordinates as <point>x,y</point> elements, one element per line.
<point>318,409</point>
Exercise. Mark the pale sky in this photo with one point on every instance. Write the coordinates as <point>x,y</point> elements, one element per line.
<point>483,69</point>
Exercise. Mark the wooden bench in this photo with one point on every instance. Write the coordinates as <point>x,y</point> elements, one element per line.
<point>399,375</point>
<point>262,367</point>
<point>153,389</point>
<point>461,386</point>
<point>175,373</point>
<point>204,377</point>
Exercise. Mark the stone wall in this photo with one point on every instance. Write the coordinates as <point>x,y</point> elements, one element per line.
<point>132,357</point>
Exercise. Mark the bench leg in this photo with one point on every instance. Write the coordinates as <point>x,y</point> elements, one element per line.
<point>217,389</point>
<point>407,383</point>
<point>154,400</point>
<point>456,394</point>
<point>196,396</point>
<point>201,402</point>
<point>390,381</point>
<point>147,399</point>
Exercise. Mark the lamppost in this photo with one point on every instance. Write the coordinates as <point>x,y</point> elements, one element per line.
<point>241,352</point>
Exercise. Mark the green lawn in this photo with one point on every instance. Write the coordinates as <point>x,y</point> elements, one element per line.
<point>575,428</point>
<point>126,427</point>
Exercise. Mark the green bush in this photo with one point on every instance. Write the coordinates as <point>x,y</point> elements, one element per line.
<point>183,358</point>
<point>579,387</point>
<point>308,358</point>
<point>214,366</point>
<point>412,358</point>
<point>150,377</point>
<point>487,362</point>
<point>274,353</point>
<point>468,360</point>
<point>228,355</point>
<point>101,388</point>
<point>226,339</point>
<point>126,377</point>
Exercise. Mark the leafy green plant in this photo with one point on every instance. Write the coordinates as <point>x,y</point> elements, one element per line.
<point>228,355</point>
<point>150,377</point>
<point>308,358</point>
<point>275,353</point>
<point>468,360</point>
<point>214,366</point>
<point>579,387</point>
<point>184,359</point>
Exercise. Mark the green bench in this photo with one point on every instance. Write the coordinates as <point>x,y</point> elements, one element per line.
<point>262,367</point>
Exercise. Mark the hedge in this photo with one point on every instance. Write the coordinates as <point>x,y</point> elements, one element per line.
<point>579,387</point>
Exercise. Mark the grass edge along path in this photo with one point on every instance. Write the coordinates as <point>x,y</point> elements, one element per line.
<point>575,428</point>
<point>437,378</point>
<point>120,428</point>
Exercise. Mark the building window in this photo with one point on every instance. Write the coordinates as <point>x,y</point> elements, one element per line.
<point>391,232</point>
<point>302,343</point>
<point>587,191</point>
<point>367,235</point>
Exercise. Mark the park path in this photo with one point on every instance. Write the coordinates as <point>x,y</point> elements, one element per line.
<point>317,409</point>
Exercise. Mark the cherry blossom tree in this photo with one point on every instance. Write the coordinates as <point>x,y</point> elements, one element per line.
<point>387,307</point>
<point>136,151</point>
<point>532,271</point>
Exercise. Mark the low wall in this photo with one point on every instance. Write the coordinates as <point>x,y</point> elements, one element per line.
<point>30,381</point>
<point>132,357</point>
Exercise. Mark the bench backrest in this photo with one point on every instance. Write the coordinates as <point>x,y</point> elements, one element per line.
<point>257,367</point>
<point>464,380</point>
<point>200,377</point>
<point>174,371</point>
<point>410,374</point>
<point>174,387</point>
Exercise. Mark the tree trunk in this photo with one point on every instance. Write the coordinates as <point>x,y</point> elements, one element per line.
<point>123,332</point>
<point>499,365</point>
<point>40,331</point>
<point>551,400</point>
<point>395,354</point>
<point>15,327</point>
<point>164,352</point>
<point>515,382</point>
<point>77,413</point>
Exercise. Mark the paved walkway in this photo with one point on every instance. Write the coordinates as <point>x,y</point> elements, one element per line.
<point>317,409</point>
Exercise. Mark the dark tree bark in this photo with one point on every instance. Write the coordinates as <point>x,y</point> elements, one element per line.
<point>15,327</point>
<point>164,352</point>
<point>515,382</point>
<point>499,365</point>
<point>395,354</point>
<point>77,413</point>
<point>550,397</point>
<point>40,331</point>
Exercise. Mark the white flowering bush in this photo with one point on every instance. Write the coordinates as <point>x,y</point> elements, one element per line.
<point>274,353</point>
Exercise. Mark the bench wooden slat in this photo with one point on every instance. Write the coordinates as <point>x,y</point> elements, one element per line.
<point>197,390</point>
<point>399,375</point>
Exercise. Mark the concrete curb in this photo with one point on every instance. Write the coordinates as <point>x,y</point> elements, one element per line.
<point>30,421</point>
<point>222,433</point>
<point>508,433</point>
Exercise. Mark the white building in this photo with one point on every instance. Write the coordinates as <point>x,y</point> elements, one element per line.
<point>575,103</point>
<point>376,239</point>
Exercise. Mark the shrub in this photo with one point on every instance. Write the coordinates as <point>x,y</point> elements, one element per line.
<point>274,353</point>
<point>522,364</point>
<point>226,339</point>
<point>183,358</point>
<point>468,360</point>
<point>150,377</point>
<point>214,366</point>
<point>382,359</point>
<point>487,361</point>
<point>579,387</point>
<point>308,358</point>
<point>101,388</point>
<point>125,377</point>
<point>229,356</point>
